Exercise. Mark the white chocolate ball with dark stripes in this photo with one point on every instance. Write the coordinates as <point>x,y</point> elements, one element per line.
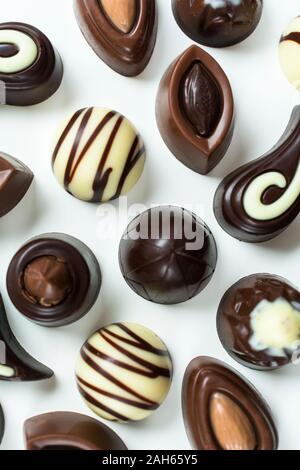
<point>289,52</point>
<point>124,372</point>
<point>99,155</point>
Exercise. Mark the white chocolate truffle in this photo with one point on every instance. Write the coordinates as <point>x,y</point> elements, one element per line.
<point>275,326</point>
<point>124,372</point>
<point>99,155</point>
<point>289,52</point>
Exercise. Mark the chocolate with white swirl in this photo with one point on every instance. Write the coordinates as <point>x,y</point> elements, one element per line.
<point>31,70</point>
<point>99,155</point>
<point>260,200</point>
<point>289,52</point>
<point>124,372</point>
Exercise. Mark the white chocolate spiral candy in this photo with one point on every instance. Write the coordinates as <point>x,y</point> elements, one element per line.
<point>24,50</point>
<point>253,204</point>
<point>124,372</point>
<point>289,52</point>
<point>99,155</point>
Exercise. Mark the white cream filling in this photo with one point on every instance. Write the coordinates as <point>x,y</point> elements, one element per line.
<point>6,371</point>
<point>27,55</point>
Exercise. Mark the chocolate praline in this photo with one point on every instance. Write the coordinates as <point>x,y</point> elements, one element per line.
<point>54,279</point>
<point>2,424</point>
<point>217,23</point>
<point>258,322</point>
<point>69,431</point>
<point>167,255</point>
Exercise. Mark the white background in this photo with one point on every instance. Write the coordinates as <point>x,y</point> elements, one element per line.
<point>264,101</point>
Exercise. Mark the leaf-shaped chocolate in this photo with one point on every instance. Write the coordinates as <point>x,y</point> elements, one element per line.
<point>195,110</point>
<point>261,199</point>
<point>121,32</point>
<point>200,99</point>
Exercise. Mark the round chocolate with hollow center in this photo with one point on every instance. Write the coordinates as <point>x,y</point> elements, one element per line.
<point>54,279</point>
<point>167,255</point>
<point>47,281</point>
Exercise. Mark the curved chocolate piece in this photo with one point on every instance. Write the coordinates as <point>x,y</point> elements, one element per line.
<point>69,431</point>
<point>124,372</point>
<point>261,199</point>
<point>15,180</point>
<point>258,322</point>
<point>31,70</point>
<point>289,52</point>
<point>121,32</point>
<point>2,424</point>
<point>167,255</point>
<point>217,23</point>
<point>15,363</point>
<point>54,279</point>
<point>223,411</point>
<point>195,110</point>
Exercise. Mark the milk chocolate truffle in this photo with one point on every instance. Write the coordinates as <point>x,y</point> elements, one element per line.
<point>289,52</point>
<point>2,424</point>
<point>124,372</point>
<point>15,363</point>
<point>121,32</point>
<point>69,431</point>
<point>258,322</point>
<point>259,200</point>
<point>99,155</point>
<point>167,255</point>
<point>217,23</point>
<point>15,180</point>
<point>31,70</point>
<point>223,411</point>
<point>54,279</point>
<point>195,110</point>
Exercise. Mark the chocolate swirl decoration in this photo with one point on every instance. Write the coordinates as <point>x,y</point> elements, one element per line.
<point>99,155</point>
<point>261,199</point>
<point>124,372</point>
<point>15,363</point>
<point>2,424</point>
<point>31,70</point>
<point>195,110</point>
<point>223,411</point>
<point>121,32</point>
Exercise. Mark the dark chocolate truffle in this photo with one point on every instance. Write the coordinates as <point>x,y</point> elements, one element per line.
<point>69,431</point>
<point>223,411</point>
<point>54,280</point>
<point>217,23</point>
<point>258,322</point>
<point>167,255</point>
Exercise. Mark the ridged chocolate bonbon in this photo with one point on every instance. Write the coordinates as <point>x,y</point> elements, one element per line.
<point>15,363</point>
<point>217,23</point>
<point>99,155</point>
<point>121,32</point>
<point>64,430</point>
<point>195,110</point>
<point>167,255</point>
<point>258,322</point>
<point>54,279</point>
<point>223,411</point>
<point>31,70</point>
<point>289,52</point>
<point>15,180</point>
<point>124,372</point>
<point>259,200</point>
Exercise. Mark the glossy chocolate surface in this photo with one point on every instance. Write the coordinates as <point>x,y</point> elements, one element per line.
<point>195,110</point>
<point>2,424</point>
<point>54,280</point>
<point>217,23</point>
<point>172,260</point>
<point>223,411</point>
<point>121,32</point>
<point>259,200</point>
<point>30,68</point>
<point>69,431</point>
<point>17,365</point>
<point>237,312</point>
<point>15,180</point>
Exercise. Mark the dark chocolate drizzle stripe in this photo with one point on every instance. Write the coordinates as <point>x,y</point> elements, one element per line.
<point>130,163</point>
<point>8,50</point>
<point>65,133</point>
<point>294,36</point>
<point>100,405</point>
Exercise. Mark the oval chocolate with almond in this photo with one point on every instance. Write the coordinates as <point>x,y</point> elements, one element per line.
<point>223,411</point>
